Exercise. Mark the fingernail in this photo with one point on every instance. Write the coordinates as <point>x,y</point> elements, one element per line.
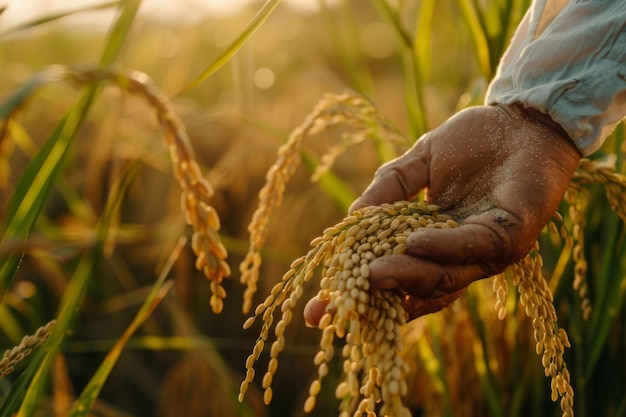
<point>384,283</point>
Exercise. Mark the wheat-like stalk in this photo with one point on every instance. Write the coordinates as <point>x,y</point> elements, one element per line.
<point>331,111</point>
<point>603,173</point>
<point>590,172</point>
<point>196,191</point>
<point>17,354</point>
<point>368,320</point>
<point>551,341</point>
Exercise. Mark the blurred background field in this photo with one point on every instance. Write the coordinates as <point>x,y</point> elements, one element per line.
<point>418,61</point>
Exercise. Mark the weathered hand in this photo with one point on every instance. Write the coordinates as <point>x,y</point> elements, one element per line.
<point>499,169</point>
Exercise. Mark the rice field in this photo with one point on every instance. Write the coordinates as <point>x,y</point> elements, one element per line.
<point>163,180</point>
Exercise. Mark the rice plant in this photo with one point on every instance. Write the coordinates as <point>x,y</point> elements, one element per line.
<point>113,146</point>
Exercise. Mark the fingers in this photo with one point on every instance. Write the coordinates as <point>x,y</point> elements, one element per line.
<point>431,286</point>
<point>400,179</point>
<point>422,278</point>
<point>414,307</point>
<point>417,307</point>
<point>489,237</point>
<point>314,310</point>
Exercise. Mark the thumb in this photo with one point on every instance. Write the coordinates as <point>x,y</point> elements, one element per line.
<point>423,278</point>
<point>417,307</point>
<point>399,179</point>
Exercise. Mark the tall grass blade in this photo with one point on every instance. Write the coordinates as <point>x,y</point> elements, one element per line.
<point>90,393</point>
<point>487,378</point>
<point>421,38</point>
<point>236,45</point>
<point>34,187</point>
<point>119,32</point>
<point>478,35</point>
<point>35,184</point>
<point>611,292</point>
<point>73,296</point>
<point>413,80</point>
<point>57,16</point>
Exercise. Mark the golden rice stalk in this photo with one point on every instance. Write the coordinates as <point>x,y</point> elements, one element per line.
<point>551,341</point>
<point>333,110</point>
<point>368,320</point>
<point>603,173</point>
<point>29,342</point>
<point>500,289</point>
<point>590,172</point>
<point>577,200</point>
<point>369,123</point>
<point>196,191</point>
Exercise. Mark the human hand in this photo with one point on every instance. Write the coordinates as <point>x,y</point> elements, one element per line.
<point>501,171</point>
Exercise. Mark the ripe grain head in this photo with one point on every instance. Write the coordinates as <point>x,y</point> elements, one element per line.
<point>551,341</point>
<point>577,197</point>
<point>367,320</point>
<point>196,191</point>
<point>29,342</point>
<point>346,109</point>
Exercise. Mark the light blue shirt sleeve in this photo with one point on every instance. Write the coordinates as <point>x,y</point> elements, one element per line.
<point>568,59</point>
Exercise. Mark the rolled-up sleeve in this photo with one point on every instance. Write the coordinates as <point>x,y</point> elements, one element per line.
<point>568,59</point>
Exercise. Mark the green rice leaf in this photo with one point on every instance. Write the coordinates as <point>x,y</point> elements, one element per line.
<point>26,203</point>
<point>483,368</point>
<point>421,38</point>
<point>611,292</point>
<point>478,36</point>
<point>236,45</point>
<point>331,184</point>
<point>85,401</point>
<point>34,187</point>
<point>35,184</point>
<point>119,32</point>
<point>56,16</point>
<point>73,295</point>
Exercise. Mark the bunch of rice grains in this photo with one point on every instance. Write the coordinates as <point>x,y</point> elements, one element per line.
<point>369,320</point>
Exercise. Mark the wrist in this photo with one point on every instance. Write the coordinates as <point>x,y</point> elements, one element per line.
<point>533,115</point>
